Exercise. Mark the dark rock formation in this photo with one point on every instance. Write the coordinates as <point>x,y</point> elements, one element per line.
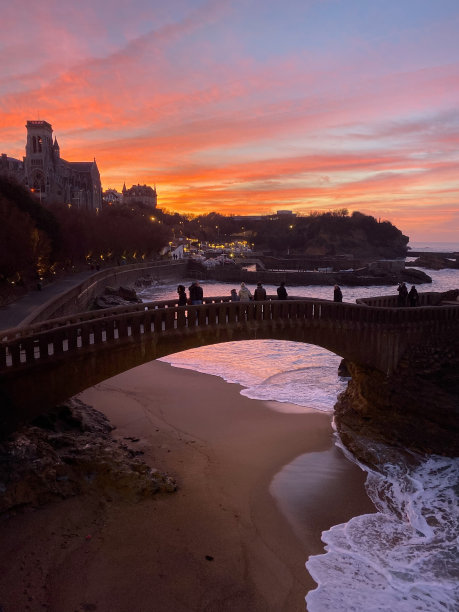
<point>434,261</point>
<point>128,294</point>
<point>413,276</point>
<point>116,297</point>
<point>355,278</point>
<point>69,452</point>
<point>343,370</point>
<point>146,281</point>
<point>416,408</point>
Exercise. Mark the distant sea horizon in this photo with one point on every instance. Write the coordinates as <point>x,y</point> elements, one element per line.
<point>428,245</point>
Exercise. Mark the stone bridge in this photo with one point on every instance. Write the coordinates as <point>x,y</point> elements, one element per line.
<point>46,363</point>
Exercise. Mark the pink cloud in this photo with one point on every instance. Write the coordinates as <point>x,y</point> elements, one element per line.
<point>174,98</point>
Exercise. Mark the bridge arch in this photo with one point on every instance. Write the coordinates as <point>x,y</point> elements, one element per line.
<point>47,363</point>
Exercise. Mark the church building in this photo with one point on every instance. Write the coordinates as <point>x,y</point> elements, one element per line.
<point>51,178</point>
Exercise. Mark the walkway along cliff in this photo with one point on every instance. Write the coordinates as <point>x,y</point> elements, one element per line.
<point>404,361</point>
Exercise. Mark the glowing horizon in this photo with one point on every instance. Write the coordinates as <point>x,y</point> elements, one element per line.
<point>249,107</point>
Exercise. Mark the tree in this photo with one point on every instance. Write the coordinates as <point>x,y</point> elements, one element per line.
<point>16,250</point>
<point>28,234</point>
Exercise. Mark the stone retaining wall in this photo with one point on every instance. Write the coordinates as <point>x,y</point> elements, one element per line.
<point>80,297</point>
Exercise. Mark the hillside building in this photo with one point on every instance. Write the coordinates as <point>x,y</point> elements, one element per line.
<point>137,193</point>
<point>140,193</point>
<point>51,178</point>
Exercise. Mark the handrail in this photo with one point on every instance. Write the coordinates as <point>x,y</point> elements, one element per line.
<point>426,298</point>
<point>84,288</point>
<point>384,301</point>
<point>21,331</point>
<point>28,346</point>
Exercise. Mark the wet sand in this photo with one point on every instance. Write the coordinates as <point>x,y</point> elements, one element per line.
<point>222,542</point>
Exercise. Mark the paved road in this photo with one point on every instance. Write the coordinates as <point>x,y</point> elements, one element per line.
<point>13,314</point>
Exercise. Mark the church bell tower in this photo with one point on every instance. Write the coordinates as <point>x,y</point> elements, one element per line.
<point>39,159</point>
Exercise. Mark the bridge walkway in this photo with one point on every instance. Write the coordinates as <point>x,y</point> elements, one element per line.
<point>15,313</point>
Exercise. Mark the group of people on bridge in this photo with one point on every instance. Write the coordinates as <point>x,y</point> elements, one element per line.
<point>244,294</point>
<point>405,297</point>
<point>196,294</point>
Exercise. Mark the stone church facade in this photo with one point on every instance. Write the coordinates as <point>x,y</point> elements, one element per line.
<point>51,178</point>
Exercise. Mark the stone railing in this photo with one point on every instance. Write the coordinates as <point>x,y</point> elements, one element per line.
<point>426,298</point>
<point>62,337</point>
<point>49,324</point>
<point>78,298</point>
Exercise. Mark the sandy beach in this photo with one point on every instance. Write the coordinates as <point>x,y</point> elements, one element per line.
<point>229,539</point>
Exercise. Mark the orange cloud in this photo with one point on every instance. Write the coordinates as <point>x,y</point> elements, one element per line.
<point>178,97</point>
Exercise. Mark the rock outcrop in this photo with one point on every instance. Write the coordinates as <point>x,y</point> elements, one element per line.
<point>416,408</point>
<point>354,278</point>
<point>69,452</point>
<point>433,261</point>
<point>413,276</point>
<point>116,297</point>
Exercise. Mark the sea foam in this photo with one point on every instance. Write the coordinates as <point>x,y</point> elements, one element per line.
<point>405,556</point>
<point>275,370</point>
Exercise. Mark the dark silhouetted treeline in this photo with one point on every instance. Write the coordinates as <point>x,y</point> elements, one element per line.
<point>37,241</point>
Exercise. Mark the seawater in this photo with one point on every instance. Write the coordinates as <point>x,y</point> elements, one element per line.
<point>404,557</point>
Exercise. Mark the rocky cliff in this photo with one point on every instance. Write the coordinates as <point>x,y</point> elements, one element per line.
<point>416,408</point>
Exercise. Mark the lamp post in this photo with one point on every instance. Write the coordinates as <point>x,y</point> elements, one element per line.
<point>34,190</point>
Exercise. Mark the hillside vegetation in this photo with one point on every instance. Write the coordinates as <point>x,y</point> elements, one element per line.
<point>37,242</point>
<point>331,234</point>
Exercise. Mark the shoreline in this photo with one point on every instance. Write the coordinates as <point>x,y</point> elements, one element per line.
<point>220,543</point>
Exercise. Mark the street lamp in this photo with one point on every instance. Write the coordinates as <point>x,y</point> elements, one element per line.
<point>35,189</point>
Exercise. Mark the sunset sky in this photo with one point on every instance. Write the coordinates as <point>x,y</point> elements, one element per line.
<point>248,106</point>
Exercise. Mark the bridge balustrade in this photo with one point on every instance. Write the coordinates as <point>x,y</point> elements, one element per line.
<point>69,335</point>
<point>19,332</point>
<point>426,298</point>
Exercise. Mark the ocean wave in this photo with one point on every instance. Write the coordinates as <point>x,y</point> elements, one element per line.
<point>405,556</point>
<point>274,370</point>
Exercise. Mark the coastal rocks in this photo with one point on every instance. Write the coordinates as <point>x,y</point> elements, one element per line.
<point>360,277</point>
<point>435,262</point>
<point>146,281</point>
<point>128,294</point>
<point>116,297</point>
<point>413,276</point>
<point>70,452</point>
<point>343,370</point>
<point>416,408</point>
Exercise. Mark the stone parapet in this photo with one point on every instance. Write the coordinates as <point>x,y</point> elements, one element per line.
<point>80,297</point>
